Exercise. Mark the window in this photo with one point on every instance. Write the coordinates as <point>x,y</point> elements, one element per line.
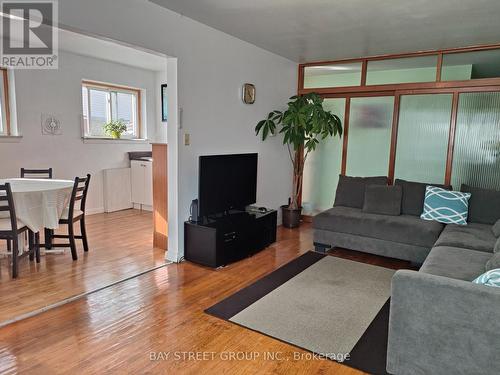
<point>404,70</point>
<point>471,65</point>
<point>334,75</point>
<point>103,103</point>
<point>5,129</point>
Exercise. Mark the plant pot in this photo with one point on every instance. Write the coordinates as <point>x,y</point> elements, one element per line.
<point>291,217</point>
<point>116,135</point>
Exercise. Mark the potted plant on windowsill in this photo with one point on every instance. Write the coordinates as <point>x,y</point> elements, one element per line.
<point>115,128</point>
<point>303,124</point>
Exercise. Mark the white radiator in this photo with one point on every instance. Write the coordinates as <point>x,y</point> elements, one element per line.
<point>117,189</point>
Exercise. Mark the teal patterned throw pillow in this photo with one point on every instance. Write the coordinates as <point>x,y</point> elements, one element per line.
<point>448,207</point>
<point>490,278</point>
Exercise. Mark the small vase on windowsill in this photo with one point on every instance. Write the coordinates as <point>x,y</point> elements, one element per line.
<point>116,135</point>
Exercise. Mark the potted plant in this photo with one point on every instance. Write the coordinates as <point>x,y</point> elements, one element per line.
<point>115,128</point>
<point>303,125</point>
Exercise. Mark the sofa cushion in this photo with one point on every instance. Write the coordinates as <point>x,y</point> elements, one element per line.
<point>384,200</point>
<point>413,196</point>
<point>473,236</point>
<point>496,229</point>
<point>454,262</point>
<point>484,205</point>
<point>405,229</point>
<point>493,263</point>
<point>448,207</point>
<point>351,190</point>
<point>496,249</point>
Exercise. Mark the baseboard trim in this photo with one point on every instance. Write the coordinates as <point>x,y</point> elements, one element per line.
<point>93,211</point>
<point>143,207</point>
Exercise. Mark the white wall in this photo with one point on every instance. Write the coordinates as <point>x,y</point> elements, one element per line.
<point>212,66</point>
<point>58,92</point>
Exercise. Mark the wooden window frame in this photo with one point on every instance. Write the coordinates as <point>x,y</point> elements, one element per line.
<point>118,88</point>
<point>363,87</point>
<point>6,103</point>
<point>437,87</point>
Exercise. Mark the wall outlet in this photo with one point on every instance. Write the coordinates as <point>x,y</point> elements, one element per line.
<point>187,140</point>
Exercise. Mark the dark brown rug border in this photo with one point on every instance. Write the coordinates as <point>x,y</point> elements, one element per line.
<point>240,300</point>
<point>369,353</point>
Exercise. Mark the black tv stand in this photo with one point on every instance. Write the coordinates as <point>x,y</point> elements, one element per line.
<point>219,240</point>
<point>224,216</point>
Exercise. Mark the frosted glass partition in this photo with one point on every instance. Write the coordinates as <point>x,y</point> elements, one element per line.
<point>335,75</point>
<point>476,158</point>
<point>471,65</point>
<point>369,141</point>
<point>423,131</point>
<point>404,70</point>
<point>322,169</point>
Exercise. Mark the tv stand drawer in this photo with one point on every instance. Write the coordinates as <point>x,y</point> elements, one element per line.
<point>225,241</point>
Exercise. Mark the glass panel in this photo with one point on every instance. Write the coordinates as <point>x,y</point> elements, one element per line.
<point>370,128</point>
<point>98,111</point>
<point>322,168</point>
<point>123,108</point>
<point>471,65</point>
<point>85,101</point>
<point>476,159</point>
<point>423,131</point>
<point>408,69</point>
<point>335,75</point>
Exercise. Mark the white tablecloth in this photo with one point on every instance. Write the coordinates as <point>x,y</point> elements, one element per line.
<point>39,203</point>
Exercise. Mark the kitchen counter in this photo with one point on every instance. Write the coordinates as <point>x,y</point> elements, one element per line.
<point>141,155</point>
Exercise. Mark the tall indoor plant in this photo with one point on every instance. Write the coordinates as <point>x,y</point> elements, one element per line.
<point>303,124</point>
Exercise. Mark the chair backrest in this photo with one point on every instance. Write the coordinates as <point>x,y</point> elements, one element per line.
<point>79,193</point>
<point>36,173</point>
<point>6,196</point>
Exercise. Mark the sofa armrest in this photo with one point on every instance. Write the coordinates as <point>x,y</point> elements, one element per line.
<point>440,325</point>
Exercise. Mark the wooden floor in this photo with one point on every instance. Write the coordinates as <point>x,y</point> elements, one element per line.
<point>120,246</point>
<point>114,331</point>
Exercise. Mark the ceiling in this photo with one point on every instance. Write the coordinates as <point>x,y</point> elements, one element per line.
<point>313,30</point>
<point>104,49</point>
<point>109,50</point>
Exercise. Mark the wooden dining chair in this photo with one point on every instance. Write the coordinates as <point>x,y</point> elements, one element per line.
<point>73,213</point>
<point>36,173</point>
<point>11,228</point>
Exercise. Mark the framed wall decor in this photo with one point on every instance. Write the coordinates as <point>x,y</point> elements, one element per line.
<point>164,103</point>
<point>248,93</point>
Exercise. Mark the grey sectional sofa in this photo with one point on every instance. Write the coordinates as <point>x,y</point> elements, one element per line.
<point>440,322</point>
<point>348,225</point>
<point>404,237</point>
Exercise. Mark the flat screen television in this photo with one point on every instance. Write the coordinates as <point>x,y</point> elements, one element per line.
<point>226,182</point>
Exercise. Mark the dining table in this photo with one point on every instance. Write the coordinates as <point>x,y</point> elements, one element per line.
<point>39,203</point>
